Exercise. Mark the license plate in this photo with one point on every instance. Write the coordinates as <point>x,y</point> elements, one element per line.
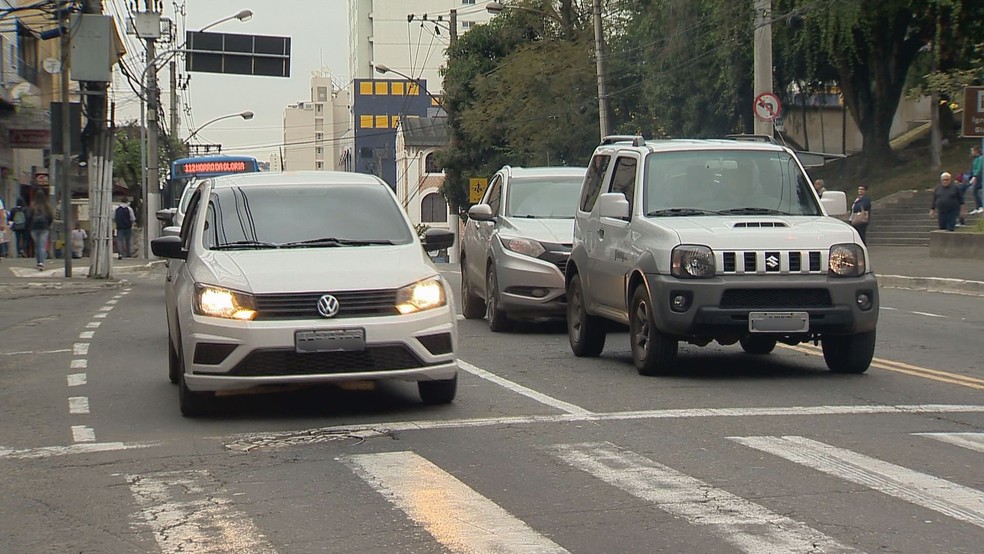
<point>330,340</point>
<point>778,322</point>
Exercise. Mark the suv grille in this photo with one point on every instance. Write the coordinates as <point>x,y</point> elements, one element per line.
<point>771,262</point>
<point>304,305</point>
<point>776,298</point>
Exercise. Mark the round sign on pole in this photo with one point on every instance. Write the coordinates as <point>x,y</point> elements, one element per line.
<point>767,106</point>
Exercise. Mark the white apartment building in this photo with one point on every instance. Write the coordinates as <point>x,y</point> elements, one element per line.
<point>315,130</point>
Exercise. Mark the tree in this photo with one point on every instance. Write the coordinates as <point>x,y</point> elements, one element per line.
<point>127,163</point>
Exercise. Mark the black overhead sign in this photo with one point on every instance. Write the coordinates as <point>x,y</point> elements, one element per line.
<point>238,54</point>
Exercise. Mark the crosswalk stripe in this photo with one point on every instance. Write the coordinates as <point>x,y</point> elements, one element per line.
<point>454,514</point>
<point>189,514</point>
<point>746,525</point>
<point>934,493</point>
<point>971,441</point>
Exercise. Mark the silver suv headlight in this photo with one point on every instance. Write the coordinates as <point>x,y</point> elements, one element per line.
<point>526,247</point>
<point>422,295</point>
<point>690,261</point>
<point>225,303</point>
<point>847,260</point>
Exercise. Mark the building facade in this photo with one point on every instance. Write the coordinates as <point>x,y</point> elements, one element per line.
<point>316,130</point>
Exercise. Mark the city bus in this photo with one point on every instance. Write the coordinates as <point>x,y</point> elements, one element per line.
<point>186,170</point>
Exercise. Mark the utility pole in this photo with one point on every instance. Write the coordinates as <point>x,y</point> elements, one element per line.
<point>66,161</point>
<point>600,69</point>
<point>151,192</point>
<point>175,117</point>
<point>453,27</point>
<point>99,166</point>
<point>453,219</point>
<point>763,59</point>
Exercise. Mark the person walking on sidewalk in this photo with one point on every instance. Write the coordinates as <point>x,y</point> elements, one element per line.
<point>18,222</point>
<point>861,212</point>
<point>946,203</point>
<point>39,221</point>
<point>124,218</point>
<point>976,178</point>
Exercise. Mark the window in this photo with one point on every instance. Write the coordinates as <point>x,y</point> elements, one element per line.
<point>318,108</point>
<point>623,179</point>
<point>467,2</point>
<point>319,165</point>
<point>319,150</point>
<point>494,195</point>
<point>322,94</point>
<point>27,48</point>
<point>592,186</point>
<point>319,136</point>
<point>467,24</point>
<point>433,209</point>
<point>431,164</point>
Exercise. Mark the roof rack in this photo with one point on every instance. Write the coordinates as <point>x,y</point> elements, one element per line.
<point>637,140</point>
<point>753,138</point>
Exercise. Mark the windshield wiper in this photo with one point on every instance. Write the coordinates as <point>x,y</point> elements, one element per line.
<point>753,211</point>
<point>244,245</point>
<point>332,241</point>
<point>680,212</point>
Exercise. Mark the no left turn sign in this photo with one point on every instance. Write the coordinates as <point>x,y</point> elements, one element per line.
<point>767,106</point>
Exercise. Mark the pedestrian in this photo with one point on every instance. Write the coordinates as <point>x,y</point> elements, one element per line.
<point>18,222</point>
<point>946,203</point>
<point>39,221</point>
<point>4,231</point>
<point>78,240</point>
<point>976,178</point>
<point>861,212</point>
<point>818,184</point>
<point>124,218</point>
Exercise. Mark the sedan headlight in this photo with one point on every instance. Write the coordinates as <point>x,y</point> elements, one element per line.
<point>420,296</point>
<point>692,262</point>
<point>847,260</point>
<point>220,302</point>
<point>526,247</point>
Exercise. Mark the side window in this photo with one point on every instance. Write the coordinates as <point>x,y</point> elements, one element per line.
<point>592,181</point>
<point>189,219</point>
<point>494,197</point>
<point>624,179</point>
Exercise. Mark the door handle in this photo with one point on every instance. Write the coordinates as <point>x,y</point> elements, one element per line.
<point>601,233</point>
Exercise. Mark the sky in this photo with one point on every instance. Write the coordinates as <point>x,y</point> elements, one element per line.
<point>319,40</point>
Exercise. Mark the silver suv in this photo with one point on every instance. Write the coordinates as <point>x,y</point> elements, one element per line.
<point>715,240</point>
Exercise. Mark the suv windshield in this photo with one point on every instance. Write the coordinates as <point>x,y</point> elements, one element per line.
<point>543,197</point>
<point>288,216</point>
<point>736,182</point>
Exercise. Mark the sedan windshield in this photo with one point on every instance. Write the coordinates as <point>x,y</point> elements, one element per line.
<point>303,216</point>
<point>711,182</point>
<point>543,197</point>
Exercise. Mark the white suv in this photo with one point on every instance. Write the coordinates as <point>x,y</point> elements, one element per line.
<point>302,278</point>
<point>715,240</point>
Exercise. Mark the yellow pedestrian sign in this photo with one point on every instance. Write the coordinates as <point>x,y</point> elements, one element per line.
<point>476,188</point>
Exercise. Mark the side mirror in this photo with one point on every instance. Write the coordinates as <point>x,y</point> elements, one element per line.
<point>168,247</point>
<point>166,216</point>
<point>613,204</point>
<point>481,212</point>
<point>834,202</point>
<point>437,239</point>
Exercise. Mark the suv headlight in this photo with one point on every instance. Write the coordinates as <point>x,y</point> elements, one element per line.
<point>692,262</point>
<point>225,303</point>
<point>526,247</point>
<point>846,260</point>
<point>420,296</point>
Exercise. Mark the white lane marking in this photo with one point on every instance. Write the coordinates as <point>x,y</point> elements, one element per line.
<point>525,391</point>
<point>972,441</point>
<point>87,334</point>
<point>887,308</point>
<point>100,316</point>
<point>746,525</point>
<point>940,495</point>
<point>52,451</point>
<point>25,352</point>
<point>93,325</point>
<point>81,433</point>
<point>246,441</point>
<point>190,512</point>
<point>78,405</point>
<point>76,379</point>
<point>454,514</point>
<point>929,314</point>
<point>113,301</point>
<point>105,308</point>
<point>80,348</point>
<point>81,363</point>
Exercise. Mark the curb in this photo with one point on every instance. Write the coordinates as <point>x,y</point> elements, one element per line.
<point>932,284</point>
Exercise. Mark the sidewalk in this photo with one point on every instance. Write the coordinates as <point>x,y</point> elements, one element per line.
<point>906,267</point>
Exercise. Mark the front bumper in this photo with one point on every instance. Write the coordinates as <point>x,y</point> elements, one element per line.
<point>720,306</point>
<point>222,354</point>
<point>530,286</point>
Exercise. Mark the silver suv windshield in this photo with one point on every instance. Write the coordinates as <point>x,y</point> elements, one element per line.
<point>543,197</point>
<point>286,216</point>
<point>733,182</point>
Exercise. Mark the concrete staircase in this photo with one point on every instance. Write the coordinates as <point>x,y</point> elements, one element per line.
<point>901,219</point>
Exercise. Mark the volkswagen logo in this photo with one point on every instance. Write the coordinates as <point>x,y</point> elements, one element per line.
<point>328,306</point>
<point>772,262</point>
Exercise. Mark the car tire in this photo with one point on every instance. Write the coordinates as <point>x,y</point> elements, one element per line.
<point>438,392</point>
<point>173,362</point>
<point>585,332</point>
<point>498,319</point>
<point>192,403</point>
<point>758,345</point>
<point>472,306</point>
<point>849,353</point>
<point>652,351</point>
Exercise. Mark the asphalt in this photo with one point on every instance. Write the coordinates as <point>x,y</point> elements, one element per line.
<point>905,267</point>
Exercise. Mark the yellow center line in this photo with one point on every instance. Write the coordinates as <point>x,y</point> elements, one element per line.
<point>900,367</point>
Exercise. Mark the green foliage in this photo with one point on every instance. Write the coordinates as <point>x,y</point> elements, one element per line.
<point>127,163</point>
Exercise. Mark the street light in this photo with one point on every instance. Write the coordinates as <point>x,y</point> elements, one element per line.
<point>383,69</point>
<point>496,7</point>
<point>245,115</point>
<point>243,15</point>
